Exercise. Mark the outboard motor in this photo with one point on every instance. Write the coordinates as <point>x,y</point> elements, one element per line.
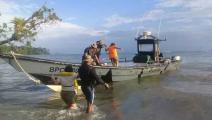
<point>176,58</point>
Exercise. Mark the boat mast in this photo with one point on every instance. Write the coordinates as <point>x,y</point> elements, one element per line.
<point>158,47</point>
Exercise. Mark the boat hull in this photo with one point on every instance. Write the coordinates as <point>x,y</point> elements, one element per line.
<point>43,69</point>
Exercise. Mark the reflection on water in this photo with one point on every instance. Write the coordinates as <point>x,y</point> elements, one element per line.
<point>180,95</point>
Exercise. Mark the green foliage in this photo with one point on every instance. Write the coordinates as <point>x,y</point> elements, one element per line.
<point>26,29</point>
<point>4,30</point>
<point>26,50</point>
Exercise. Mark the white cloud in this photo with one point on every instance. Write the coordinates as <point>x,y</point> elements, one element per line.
<point>116,20</point>
<point>182,20</point>
<point>177,16</point>
<point>152,15</point>
<point>170,3</point>
<point>185,14</point>
<point>65,29</point>
<point>190,8</point>
<point>69,19</point>
<point>10,9</point>
<point>62,35</point>
<point>199,4</point>
<point>173,13</point>
<point>209,22</point>
<point>68,37</point>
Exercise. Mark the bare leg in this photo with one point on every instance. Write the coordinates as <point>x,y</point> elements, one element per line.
<point>89,107</point>
<point>116,62</point>
<point>112,61</point>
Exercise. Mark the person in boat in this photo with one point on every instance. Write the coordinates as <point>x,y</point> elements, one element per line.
<point>157,53</point>
<point>67,79</point>
<point>100,45</point>
<point>89,80</point>
<point>92,51</point>
<point>113,54</point>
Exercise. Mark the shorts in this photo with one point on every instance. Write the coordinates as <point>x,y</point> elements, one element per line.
<point>88,91</point>
<point>69,97</point>
<point>114,60</point>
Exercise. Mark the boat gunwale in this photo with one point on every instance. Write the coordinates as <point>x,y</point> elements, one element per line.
<point>29,58</point>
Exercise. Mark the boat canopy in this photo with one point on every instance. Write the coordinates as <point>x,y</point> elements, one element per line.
<point>147,48</point>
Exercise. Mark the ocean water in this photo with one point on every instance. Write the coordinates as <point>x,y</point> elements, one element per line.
<point>185,94</point>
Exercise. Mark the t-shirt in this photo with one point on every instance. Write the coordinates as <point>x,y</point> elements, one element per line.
<point>112,52</point>
<point>67,82</point>
<point>89,76</point>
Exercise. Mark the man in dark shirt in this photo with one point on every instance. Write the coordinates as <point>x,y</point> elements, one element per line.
<point>92,51</point>
<point>89,78</point>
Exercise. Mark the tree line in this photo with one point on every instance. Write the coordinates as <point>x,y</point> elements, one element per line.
<point>26,50</point>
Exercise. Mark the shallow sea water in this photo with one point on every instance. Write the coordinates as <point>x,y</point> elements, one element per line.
<point>185,94</point>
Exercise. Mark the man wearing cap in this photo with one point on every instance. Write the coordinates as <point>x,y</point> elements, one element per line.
<point>100,45</point>
<point>89,79</point>
<point>92,51</point>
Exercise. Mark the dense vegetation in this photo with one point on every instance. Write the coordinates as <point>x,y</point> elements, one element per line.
<point>27,50</point>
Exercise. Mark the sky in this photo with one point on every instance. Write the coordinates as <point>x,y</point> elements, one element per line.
<point>186,24</point>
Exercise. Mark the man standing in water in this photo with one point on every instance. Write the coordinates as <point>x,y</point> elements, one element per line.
<point>68,93</point>
<point>89,79</point>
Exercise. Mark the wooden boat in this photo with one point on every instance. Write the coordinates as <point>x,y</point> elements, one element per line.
<point>145,63</point>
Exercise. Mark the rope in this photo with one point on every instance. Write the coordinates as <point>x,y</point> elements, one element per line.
<point>29,76</point>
